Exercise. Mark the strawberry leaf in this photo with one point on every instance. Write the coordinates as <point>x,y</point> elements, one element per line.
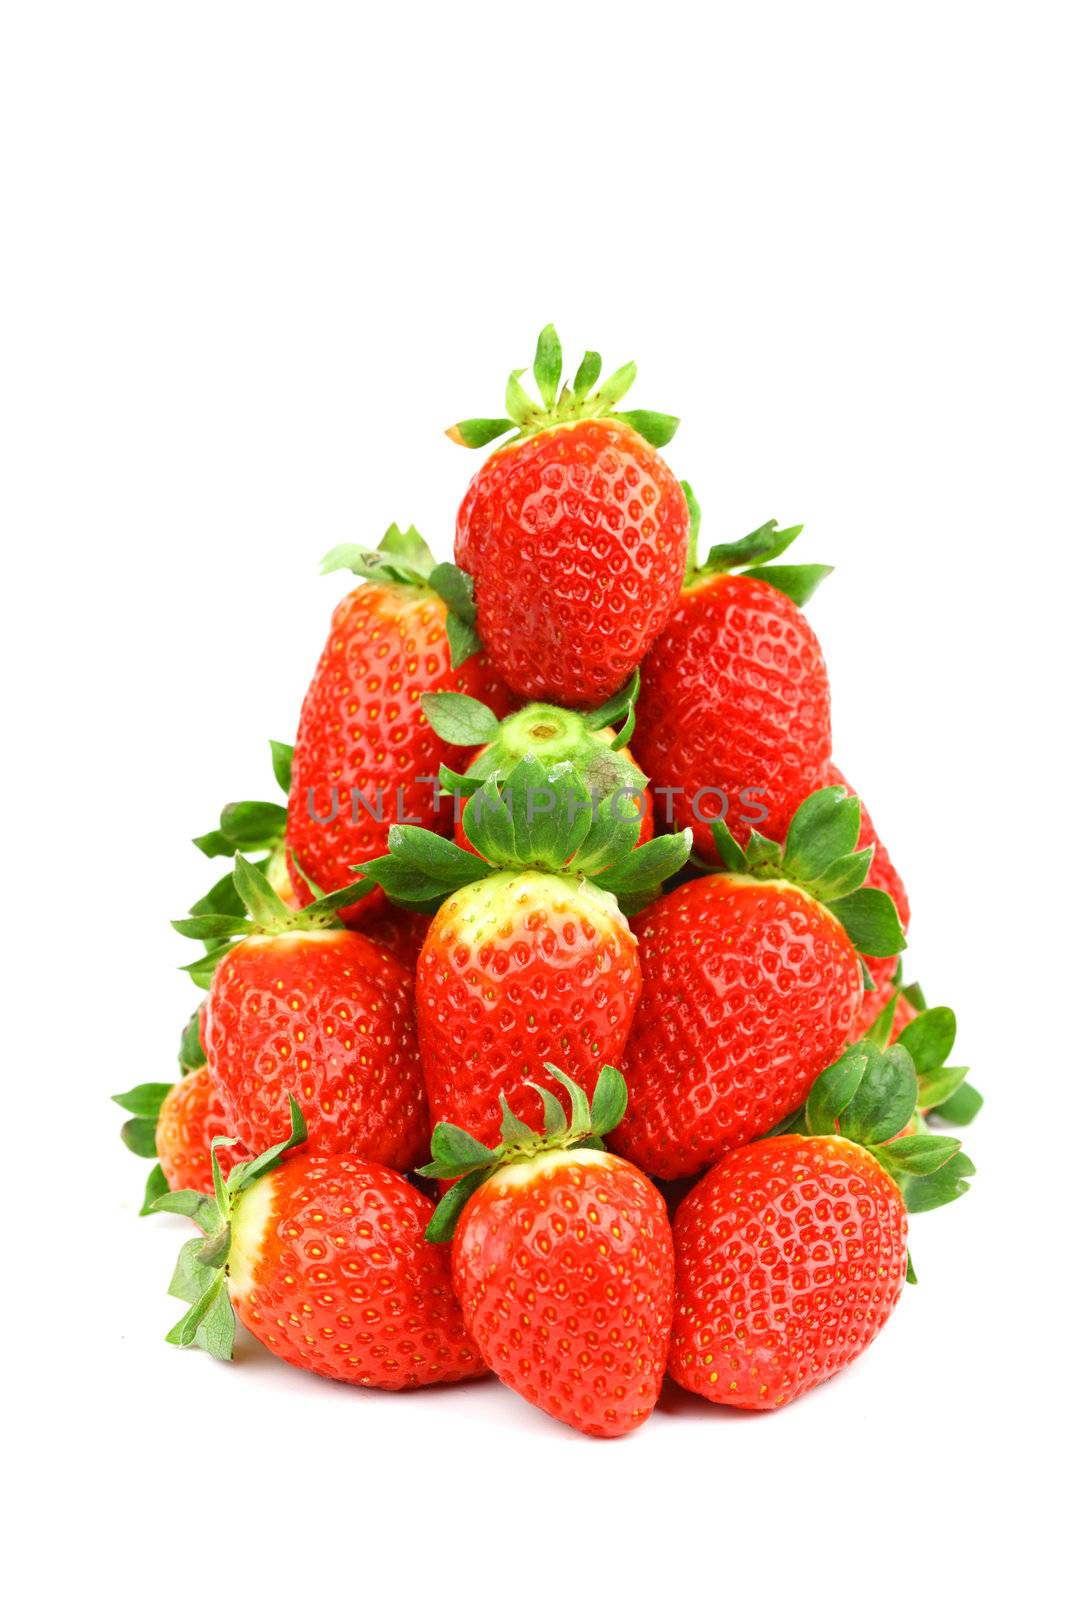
<point>797,583</point>
<point>961,1107</point>
<point>871,921</point>
<point>459,718</point>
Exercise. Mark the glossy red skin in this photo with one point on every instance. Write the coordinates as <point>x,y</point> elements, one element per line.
<point>551,980</point>
<point>734,696</point>
<point>192,1114</point>
<point>576,539</point>
<point>362,729</point>
<point>882,875</point>
<point>330,1019</point>
<point>644,833</point>
<point>397,930</point>
<point>791,1254</point>
<point>344,1283</point>
<point>567,1285</point>
<point>749,990</point>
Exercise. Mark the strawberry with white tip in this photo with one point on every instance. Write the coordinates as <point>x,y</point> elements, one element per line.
<point>562,1259</point>
<point>299,1245</point>
<point>529,952</point>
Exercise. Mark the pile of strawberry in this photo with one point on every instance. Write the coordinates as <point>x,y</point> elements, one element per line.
<point>562,829</point>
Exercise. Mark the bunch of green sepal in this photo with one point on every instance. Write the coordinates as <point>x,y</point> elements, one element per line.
<point>820,857</point>
<point>537,818</point>
<point>200,1276</point>
<point>257,829</point>
<point>464,1161</point>
<point>262,911</point>
<point>144,1102</point>
<point>555,735</point>
<point>577,401</point>
<point>406,558</point>
<point>870,1096</point>
<point>929,1039</point>
<point>751,556</point>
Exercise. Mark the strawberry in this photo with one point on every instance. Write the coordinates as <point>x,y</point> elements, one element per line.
<point>792,1252</point>
<point>324,1259</point>
<point>554,735</point>
<point>400,932</point>
<point>574,532</point>
<point>734,717</point>
<point>562,1260</point>
<point>751,981</point>
<point>174,1123</point>
<point>301,1005</point>
<point>365,755</point>
<point>526,956</point>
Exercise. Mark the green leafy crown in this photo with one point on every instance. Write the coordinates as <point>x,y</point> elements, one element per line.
<point>928,1039</point>
<point>200,1276</point>
<point>583,398</point>
<point>466,1162</point>
<point>538,817</point>
<point>262,911</point>
<point>820,856</point>
<point>406,558</point>
<point>750,557</point>
<point>553,734</point>
<point>257,829</point>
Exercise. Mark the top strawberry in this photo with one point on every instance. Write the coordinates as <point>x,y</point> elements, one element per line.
<point>575,532</point>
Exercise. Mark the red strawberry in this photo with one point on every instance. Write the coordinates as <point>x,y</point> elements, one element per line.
<point>750,985</point>
<point>555,736</point>
<point>562,1261</point>
<point>792,1252</point>
<point>190,1116</point>
<point>526,956</point>
<point>174,1123</point>
<point>517,966</point>
<point>734,715</point>
<point>401,932</point>
<point>365,755</point>
<point>324,1259</point>
<point>574,531</point>
<point>300,1005</point>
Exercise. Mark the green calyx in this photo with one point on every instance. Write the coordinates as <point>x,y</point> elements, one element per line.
<point>540,818</point>
<point>257,829</point>
<point>581,399</point>
<point>928,1039</point>
<point>139,1133</point>
<point>200,1276</point>
<point>549,732</point>
<point>820,857</point>
<point>870,1096</point>
<point>253,825</point>
<point>262,911</point>
<point>751,556</point>
<point>144,1105</point>
<point>466,1162</point>
<point>406,559</point>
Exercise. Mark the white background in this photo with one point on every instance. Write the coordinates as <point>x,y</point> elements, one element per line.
<point>257,257</point>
